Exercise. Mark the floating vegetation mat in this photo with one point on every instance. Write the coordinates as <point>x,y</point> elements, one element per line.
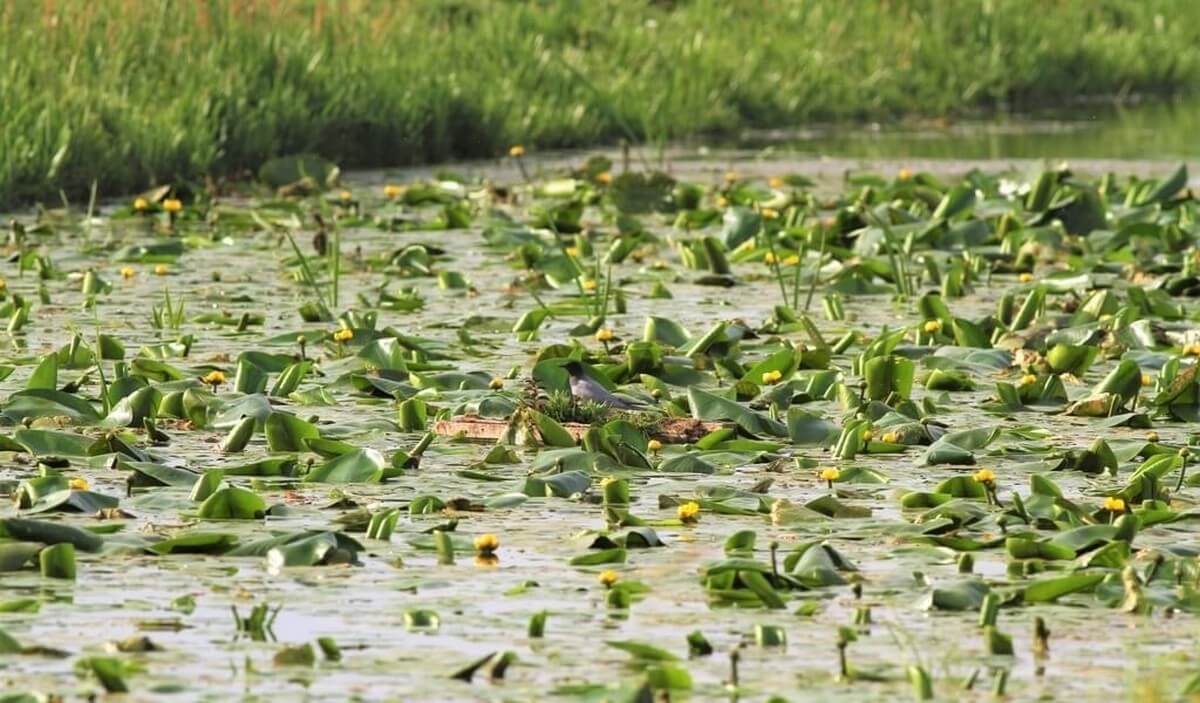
<point>898,436</point>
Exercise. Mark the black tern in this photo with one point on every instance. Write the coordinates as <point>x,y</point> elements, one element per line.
<point>584,388</point>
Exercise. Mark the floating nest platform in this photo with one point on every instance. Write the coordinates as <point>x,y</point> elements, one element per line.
<point>672,430</point>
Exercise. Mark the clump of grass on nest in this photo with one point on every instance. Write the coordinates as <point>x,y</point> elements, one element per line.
<point>563,407</point>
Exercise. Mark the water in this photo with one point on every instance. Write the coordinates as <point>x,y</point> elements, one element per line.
<point>1101,131</point>
<point>1095,650</point>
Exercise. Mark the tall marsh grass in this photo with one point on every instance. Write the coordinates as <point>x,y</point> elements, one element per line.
<point>130,93</point>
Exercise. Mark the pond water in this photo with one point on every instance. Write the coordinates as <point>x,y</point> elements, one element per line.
<point>1100,131</point>
<point>232,266</point>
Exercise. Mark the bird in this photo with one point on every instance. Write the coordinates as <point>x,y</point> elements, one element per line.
<point>584,388</point>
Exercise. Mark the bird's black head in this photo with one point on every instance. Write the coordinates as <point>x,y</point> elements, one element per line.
<point>574,368</point>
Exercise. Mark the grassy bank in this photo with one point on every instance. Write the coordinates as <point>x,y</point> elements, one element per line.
<point>133,92</point>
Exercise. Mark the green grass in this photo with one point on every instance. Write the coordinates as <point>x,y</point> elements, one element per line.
<point>130,93</point>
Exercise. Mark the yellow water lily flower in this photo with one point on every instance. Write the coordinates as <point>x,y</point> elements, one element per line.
<point>608,578</point>
<point>891,437</point>
<point>985,476</point>
<point>1151,436</point>
<point>904,174</point>
<point>868,435</point>
<point>654,445</point>
<point>516,151</point>
<point>392,191</point>
<point>1028,379</point>
<point>769,258</point>
<point>1192,349</point>
<point>589,284</point>
<point>776,182</point>
<point>722,202</point>
<point>772,377</point>
<point>1025,277</point>
<point>1113,504</point>
<point>932,326</point>
<point>128,272</point>
<point>161,270</point>
<point>213,378</point>
<point>689,512</point>
<point>791,260</point>
<point>78,484</point>
<point>730,176</point>
<point>829,474</point>
<point>1147,379</point>
<point>604,334</point>
<point>141,204</point>
<point>769,213</point>
<point>346,196</point>
<point>343,335</point>
<point>487,543</point>
<point>172,205</point>
<point>604,178</point>
<point>496,384</point>
<point>573,252</point>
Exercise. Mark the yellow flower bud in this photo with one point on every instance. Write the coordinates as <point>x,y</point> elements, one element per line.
<point>1113,504</point>
<point>516,151</point>
<point>487,543</point>
<point>689,512</point>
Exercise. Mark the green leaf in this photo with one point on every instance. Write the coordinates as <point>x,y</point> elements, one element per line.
<point>50,533</point>
<point>358,466</point>
<point>233,503</point>
<point>196,542</point>
<point>287,433</point>
<point>707,406</point>
<point>615,555</point>
<point>1051,589</point>
<point>45,376</point>
<point>640,650</point>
